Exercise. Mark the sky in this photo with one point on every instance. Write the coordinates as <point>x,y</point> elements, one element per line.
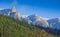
<point>43,8</point>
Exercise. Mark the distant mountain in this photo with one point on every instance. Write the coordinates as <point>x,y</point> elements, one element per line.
<point>11,12</point>
<point>32,19</point>
<point>4,11</point>
<point>54,23</point>
<point>37,20</point>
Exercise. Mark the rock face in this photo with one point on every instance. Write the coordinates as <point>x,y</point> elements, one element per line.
<point>13,9</point>
<point>13,13</point>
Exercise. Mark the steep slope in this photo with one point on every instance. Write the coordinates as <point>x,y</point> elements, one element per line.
<point>13,28</point>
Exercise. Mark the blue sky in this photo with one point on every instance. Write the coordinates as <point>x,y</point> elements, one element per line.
<point>43,8</point>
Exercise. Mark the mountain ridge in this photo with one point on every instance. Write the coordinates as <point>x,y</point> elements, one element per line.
<point>31,19</point>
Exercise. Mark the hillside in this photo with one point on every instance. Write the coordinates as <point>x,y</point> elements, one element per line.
<point>10,27</point>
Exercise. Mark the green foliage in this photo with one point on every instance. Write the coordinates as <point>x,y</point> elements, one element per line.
<point>12,28</point>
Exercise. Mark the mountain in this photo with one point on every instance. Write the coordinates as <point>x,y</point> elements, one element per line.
<point>4,11</point>
<point>32,19</point>
<point>54,23</point>
<point>10,27</point>
<point>11,12</point>
<point>37,20</point>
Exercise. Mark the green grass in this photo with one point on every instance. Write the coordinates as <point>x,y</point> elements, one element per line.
<point>10,27</point>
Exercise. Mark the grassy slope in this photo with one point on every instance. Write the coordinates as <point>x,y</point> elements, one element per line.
<point>13,28</point>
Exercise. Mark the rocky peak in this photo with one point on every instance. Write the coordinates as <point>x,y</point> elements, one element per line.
<point>13,9</point>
